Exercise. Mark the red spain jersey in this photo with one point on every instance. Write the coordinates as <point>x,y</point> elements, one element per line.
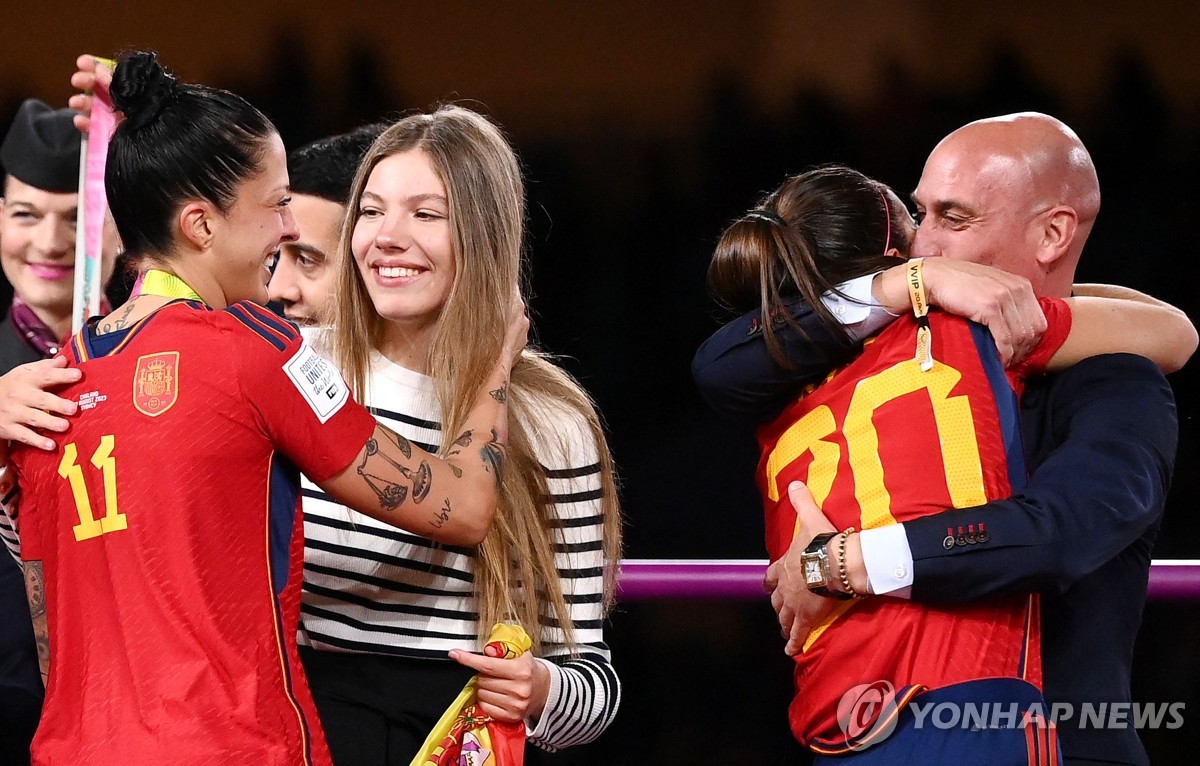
<point>883,441</point>
<point>167,524</point>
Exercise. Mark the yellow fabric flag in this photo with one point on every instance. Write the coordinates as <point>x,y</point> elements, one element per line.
<point>465,735</point>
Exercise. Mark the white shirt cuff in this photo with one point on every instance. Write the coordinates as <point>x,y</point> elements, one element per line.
<point>856,308</point>
<point>538,728</point>
<point>888,560</point>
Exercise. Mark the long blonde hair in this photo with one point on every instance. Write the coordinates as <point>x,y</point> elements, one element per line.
<point>515,575</point>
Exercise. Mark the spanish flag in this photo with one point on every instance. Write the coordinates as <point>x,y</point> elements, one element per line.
<point>466,736</point>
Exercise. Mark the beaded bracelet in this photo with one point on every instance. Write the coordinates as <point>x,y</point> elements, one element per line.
<point>841,565</point>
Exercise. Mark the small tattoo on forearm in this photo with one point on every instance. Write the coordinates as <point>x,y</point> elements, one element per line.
<point>35,588</point>
<point>35,593</point>
<point>382,472</point>
<point>464,440</point>
<point>422,480</point>
<point>404,445</point>
<point>42,639</point>
<point>390,494</point>
<point>442,516</point>
<point>500,394</point>
<point>493,457</point>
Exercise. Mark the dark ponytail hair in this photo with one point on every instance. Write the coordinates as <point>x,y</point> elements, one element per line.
<point>177,142</point>
<point>816,231</point>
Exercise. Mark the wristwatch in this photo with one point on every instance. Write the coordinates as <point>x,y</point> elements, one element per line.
<point>817,574</point>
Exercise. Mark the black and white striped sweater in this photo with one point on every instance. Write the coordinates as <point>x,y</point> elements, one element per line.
<point>369,587</point>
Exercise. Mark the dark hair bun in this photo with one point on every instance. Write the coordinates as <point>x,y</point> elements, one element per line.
<point>141,87</point>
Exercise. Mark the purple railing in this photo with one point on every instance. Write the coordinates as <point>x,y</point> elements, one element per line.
<point>649,579</point>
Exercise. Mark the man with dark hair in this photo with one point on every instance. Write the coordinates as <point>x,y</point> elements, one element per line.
<point>40,158</point>
<point>321,175</point>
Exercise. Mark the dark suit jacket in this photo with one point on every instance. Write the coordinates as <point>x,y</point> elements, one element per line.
<point>1101,439</point>
<point>13,348</point>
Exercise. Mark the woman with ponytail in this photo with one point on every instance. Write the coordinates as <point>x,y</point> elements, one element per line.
<point>159,533</point>
<point>431,251</point>
<point>923,419</point>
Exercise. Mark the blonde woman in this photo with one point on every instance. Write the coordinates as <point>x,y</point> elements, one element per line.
<point>431,256</point>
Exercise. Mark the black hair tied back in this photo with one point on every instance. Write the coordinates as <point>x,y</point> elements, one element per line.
<point>141,87</point>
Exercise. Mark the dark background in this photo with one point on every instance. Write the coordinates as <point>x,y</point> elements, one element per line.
<point>643,128</point>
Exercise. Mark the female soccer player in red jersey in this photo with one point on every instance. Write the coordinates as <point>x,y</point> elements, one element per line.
<point>159,540</point>
<point>923,419</point>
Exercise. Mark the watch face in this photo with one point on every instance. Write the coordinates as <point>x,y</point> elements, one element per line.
<point>812,572</point>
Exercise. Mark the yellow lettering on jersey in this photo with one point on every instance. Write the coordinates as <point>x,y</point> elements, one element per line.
<point>807,434</point>
<point>956,433</point>
<point>103,459</point>
<point>88,526</point>
<point>955,427</point>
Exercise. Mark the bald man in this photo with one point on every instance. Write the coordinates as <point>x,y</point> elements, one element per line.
<point>1020,193</point>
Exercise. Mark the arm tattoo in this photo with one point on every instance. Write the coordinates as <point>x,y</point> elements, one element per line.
<point>442,516</point>
<point>35,593</point>
<point>464,440</point>
<point>382,472</point>
<point>35,588</point>
<point>500,394</point>
<point>493,457</point>
<point>404,445</point>
<point>422,480</point>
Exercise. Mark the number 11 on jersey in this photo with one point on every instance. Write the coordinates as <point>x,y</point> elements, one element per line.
<point>89,526</point>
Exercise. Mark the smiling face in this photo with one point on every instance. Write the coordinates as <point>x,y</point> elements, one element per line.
<point>402,242</point>
<point>37,247</point>
<point>975,204</point>
<point>249,234</point>
<point>303,279</point>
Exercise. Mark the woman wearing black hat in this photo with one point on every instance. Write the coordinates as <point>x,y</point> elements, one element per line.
<point>40,156</point>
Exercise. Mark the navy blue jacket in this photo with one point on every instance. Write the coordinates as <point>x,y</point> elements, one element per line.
<point>1101,439</point>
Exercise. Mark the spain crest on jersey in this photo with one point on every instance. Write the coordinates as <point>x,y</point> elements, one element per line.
<point>156,383</point>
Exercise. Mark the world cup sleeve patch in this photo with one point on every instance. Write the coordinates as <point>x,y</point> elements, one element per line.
<point>318,381</point>
<point>156,383</point>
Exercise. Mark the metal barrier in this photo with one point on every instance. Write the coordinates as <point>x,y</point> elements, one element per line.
<point>649,579</point>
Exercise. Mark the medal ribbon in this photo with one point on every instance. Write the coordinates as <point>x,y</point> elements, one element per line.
<point>166,285</point>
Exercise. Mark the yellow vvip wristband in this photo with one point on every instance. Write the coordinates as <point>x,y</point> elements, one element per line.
<point>916,293</point>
